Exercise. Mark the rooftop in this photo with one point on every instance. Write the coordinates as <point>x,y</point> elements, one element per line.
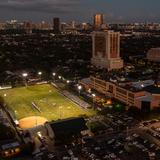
<point>70,126</point>
<point>152,89</point>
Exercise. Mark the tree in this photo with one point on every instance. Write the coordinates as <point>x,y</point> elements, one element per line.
<point>1,101</point>
<point>6,132</point>
<point>134,111</point>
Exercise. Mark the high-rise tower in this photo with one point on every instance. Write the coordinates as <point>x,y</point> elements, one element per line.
<point>98,21</point>
<point>106,50</point>
<point>56,25</point>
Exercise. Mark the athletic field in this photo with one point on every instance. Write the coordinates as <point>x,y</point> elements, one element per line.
<point>41,100</point>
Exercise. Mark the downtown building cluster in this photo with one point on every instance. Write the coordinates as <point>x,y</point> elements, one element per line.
<point>98,22</point>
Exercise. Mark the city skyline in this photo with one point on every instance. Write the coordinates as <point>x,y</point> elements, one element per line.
<point>82,11</point>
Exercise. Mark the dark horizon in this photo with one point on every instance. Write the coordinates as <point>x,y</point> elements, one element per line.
<point>80,10</point>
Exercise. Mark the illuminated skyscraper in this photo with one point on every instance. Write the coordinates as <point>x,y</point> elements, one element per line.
<point>106,50</point>
<point>98,21</point>
<point>56,25</point>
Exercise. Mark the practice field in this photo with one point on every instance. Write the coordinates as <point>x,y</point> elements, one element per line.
<point>41,100</point>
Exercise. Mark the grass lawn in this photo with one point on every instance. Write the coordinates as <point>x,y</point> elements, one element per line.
<point>51,103</point>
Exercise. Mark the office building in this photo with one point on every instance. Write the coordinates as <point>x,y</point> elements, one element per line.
<point>106,50</point>
<point>98,21</point>
<point>144,94</point>
<point>56,25</point>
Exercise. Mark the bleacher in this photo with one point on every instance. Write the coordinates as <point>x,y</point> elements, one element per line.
<point>76,99</point>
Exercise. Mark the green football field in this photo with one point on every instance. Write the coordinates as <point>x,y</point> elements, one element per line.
<point>48,101</point>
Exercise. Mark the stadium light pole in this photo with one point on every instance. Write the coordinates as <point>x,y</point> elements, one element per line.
<point>40,75</point>
<point>93,97</point>
<point>79,89</point>
<point>54,75</point>
<point>59,77</point>
<point>68,81</point>
<point>25,75</point>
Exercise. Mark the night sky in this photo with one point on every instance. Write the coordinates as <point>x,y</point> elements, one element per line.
<point>81,10</point>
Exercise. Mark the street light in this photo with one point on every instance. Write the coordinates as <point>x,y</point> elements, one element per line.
<point>93,96</point>
<point>59,77</point>
<point>79,89</point>
<point>54,74</point>
<point>89,90</point>
<point>40,73</point>
<point>68,81</point>
<point>25,75</point>
<point>39,134</point>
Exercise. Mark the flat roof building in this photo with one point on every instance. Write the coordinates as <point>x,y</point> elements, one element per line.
<point>106,50</point>
<point>154,54</point>
<point>68,127</point>
<point>144,95</point>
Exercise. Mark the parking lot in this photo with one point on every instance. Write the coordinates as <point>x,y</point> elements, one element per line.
<point>111,123</point>
<point>117,148</point>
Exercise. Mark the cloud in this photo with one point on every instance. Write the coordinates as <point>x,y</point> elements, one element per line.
<point>47,6</point>
<point>80,9</point>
